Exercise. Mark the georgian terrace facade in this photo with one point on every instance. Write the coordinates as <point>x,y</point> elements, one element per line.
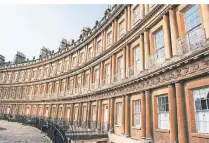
<point>141,73</point>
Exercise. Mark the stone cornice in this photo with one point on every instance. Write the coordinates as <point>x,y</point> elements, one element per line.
<point>127,38</point>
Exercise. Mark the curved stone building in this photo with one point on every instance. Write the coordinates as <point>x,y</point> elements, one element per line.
<point>142,73</point>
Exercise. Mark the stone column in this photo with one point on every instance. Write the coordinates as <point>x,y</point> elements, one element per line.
<point>174,31</point>
<point>141,11</point>
<point>148,114</point>
<point>89,115</point>
<point>72,112</point>
<point>146,48</point>
<point>127,59</point>
<point>146,9</point>
<point>113,32</point>
<point>101,72</point>
<point>113,67</point>
<point>123,115</point>
<point>167,41</point>
<point>124,63</point>
<point>99,104</point>
<point>143,115</point>
<point>205,13</point>
<point>129,17</point>
<point>112,115</point>
<point>127,116</point>
<point>64,112</point>
<point>181,117</point>
<point>115,29</point>
<point>80,114</point>
<point>172,113</point>
<point>141,52</point>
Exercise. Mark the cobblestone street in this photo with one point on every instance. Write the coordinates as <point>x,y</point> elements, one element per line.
<point>11,132</point>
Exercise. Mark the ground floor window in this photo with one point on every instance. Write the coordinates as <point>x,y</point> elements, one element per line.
<point>137,113</point>
<point>201,105</point>
<point>118,113</point>
<point>163,112</point>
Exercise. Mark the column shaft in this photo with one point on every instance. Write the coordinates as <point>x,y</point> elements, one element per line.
<point>174,32</point>
<point>146,9</point>
<point>181,118</point>
<point>127,115</point>
<point>141,11</point>
<point>112,115</point>
<point>123,115</point>
<point>146,48</point>
<point>172,113</point>
<point>141,52</point>
<point>99,103</point>
<point>143,115</point>
<point>205,13</point>
<point>148,114</point>
<point>124,63</point>
<point>113,67</point>
<point>167,42</point>
<point>127,59</point>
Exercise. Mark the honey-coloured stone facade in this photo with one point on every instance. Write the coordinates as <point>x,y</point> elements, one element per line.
<point>119,72</point>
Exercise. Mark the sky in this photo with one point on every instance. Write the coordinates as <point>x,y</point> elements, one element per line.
<point>27,28</point>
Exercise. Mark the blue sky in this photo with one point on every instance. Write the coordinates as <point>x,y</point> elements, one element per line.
<point>26,28</point>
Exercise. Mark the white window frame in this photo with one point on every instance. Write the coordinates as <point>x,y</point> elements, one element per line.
<point>109,38</point>
<point>192,16</point>
<point>201,107</point>
<point>118,113</point>
<point>122,27</point>
<point>163,112</point>
<point>137,61</point>
<point>136,14</point>
<point>137,113</point>
<point>159,46</point>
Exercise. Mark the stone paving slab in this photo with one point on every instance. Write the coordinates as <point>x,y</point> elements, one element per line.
<point>11,132</point>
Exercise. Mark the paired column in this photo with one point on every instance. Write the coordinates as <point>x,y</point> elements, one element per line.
<point>127,116</point>
<point>174,32</point>
<point>148,114</point>
<point>111,115</point>
<point>141,52</point>
<point>205,13</point>
<point>99,104</point>
<point>167,42</point>
<point>101,72</point>
<point>172,113</point>
<point>123,115</point>
<point>143,115</point>
<point>89,114</point>
<point>113,67</point>
<point>181,117</point>
<point>141,11</point>
<point>124,62</point>
<point>80,114</point>
<point>146,48</point>
<point>127,59</point>
<point>129,17</point>
<point>146,9</point>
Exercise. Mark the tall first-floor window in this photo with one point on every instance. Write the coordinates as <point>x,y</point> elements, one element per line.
<point>163,112</point>
<point>118,113</point>
<point>137,113</point>
<point>201,104</point>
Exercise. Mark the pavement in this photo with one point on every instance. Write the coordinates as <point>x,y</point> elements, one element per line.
<point>11,132</point>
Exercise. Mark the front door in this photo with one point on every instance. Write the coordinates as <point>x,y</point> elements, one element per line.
<point>105,117</point>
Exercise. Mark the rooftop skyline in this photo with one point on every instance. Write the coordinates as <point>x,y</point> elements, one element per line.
<point>27,28</point>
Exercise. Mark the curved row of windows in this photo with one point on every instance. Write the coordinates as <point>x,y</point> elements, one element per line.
<point>151,50</point>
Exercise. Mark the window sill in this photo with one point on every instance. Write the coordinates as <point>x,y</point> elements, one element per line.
<point>135,23</point>
<point>137,128</point>
<point>200,135</point>
<point>117,125</point>
<point>162,130</point>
